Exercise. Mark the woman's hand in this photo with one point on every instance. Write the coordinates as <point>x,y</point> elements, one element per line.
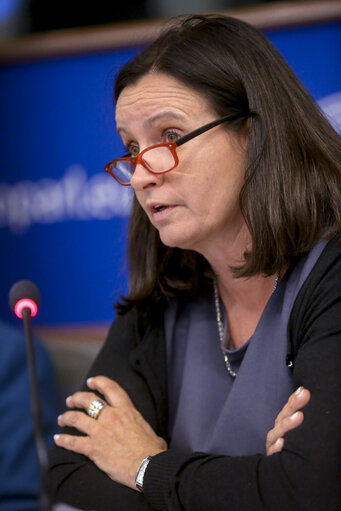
<point>118,440</point>
<point>288,418</point>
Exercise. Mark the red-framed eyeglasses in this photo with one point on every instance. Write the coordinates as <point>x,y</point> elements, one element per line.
<point>157,159</point>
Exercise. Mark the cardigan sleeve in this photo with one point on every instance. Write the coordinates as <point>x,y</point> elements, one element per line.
<point>73,478</point>
<point>306,475</point>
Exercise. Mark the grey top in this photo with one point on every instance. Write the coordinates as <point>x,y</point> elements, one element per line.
<point>209,410</point>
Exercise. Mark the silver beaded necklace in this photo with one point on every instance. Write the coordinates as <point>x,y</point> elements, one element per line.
<point>220,324</point>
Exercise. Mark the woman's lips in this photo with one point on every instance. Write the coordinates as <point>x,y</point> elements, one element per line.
<point>161,211</point>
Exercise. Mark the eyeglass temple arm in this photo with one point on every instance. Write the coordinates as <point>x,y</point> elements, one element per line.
<point>206,127</point>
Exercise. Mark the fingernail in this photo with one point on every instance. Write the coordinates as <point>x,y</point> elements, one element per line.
<point>294,416</point>
<point>89,380</point>
<point>55,437</point>
<point>59,417</point>
<point>68,399</point>
<point>278,441</point>
<point>299,391</point>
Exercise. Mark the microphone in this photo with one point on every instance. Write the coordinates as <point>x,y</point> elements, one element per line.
<point>24,299</point>
<point>24,294</point>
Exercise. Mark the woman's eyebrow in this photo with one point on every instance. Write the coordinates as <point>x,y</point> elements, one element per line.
<point>155,118</point>
<point>166,114</point>
<point>120,131</point>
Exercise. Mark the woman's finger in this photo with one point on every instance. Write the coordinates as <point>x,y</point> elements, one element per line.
<point>112,391</point>
<point>276,447</point>
<point>285,425</point>
<point>79,444</point>
<point>296,401</point>
<point>78,420</point>
<point>290,417</point>
<point>81,400</point>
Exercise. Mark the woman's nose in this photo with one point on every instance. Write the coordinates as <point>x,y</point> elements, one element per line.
<point>142,178</point>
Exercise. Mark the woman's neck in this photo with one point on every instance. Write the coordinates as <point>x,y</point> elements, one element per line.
<point>244,298</point>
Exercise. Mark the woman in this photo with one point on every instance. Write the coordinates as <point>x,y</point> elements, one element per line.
<point>234,297</point>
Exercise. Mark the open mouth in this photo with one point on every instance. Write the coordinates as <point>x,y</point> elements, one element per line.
<point>159,208</point>
<point>161,211</point>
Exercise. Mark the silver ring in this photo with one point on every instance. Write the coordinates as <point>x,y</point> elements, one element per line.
<point>95,408</point>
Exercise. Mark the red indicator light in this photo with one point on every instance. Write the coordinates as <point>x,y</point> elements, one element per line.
<point>25,302</point>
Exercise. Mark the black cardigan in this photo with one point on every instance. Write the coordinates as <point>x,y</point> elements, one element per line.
<point>306,475</point>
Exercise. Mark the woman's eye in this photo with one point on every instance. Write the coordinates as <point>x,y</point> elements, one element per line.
<point>133,150</point>
<point>172,136</point>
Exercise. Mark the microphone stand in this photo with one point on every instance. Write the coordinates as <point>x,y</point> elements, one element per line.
<point>45,502</point>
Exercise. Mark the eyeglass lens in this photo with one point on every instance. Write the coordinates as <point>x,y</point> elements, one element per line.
<point>157,159</point>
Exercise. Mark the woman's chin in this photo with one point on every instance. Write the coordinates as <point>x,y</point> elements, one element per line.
<point>175,240</point>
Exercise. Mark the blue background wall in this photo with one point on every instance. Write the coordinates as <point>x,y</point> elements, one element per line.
<point>63,220</point>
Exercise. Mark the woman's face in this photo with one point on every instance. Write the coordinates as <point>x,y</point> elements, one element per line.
<point>199,198</point>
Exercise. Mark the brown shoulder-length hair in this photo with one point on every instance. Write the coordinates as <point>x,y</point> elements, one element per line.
<point>292,191</point>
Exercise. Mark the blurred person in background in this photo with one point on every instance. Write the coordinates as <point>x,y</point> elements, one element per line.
<point>19,469</point>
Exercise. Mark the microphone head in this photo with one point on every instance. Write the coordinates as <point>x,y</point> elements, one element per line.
<point>24,294</point>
